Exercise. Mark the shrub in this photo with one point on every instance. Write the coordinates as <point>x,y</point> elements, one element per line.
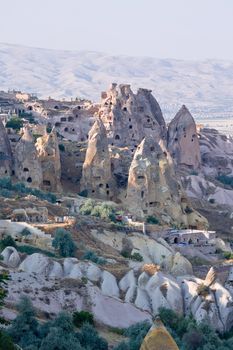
<point>61,147</point>
<point>7,241</point>
<point>25,232</point>
<point>28,249</point>
<point>6,342</point>
<point>90,255</point>
<point>81,317</point>
<point>136,256</point>
<point>228,255</point>
<point>64,243</point>
<point>89,338</point>
<point>226,180</point>
<point>87,207</point>
<point>152,220</point>
<point>14,123</point>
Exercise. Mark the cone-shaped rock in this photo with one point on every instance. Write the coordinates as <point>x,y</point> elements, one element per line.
<point>153,189</point>
<point>183,142</point>
<point>49,156</point>
<point>96,174</point>
<point>5,153</point>
<point>129,117</point>
<point>27,165</point>
<point>158,338</point>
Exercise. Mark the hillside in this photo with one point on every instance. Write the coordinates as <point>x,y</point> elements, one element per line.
<point>205,86</point>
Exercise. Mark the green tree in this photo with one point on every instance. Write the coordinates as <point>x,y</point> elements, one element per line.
<point>64,243</point>
<point>24,328</point>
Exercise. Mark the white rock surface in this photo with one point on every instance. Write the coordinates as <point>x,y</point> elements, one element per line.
<point>11,257</point>
<point>109,285</point>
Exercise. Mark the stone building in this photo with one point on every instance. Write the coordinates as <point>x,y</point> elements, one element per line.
<point>27,166</point>
<point>96,175</point>
<point>183,142</point>
<point>49,157</point>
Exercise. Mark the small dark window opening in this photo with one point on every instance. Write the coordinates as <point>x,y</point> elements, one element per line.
<point>130,127</point>
<point>152,149</point>
<point>107,192</point>
<point>117,137</point>
<point>29,179</point>
<point>142,194</point>
<point>125,109</point>
<point>107,185</point>
<point>25,169</point>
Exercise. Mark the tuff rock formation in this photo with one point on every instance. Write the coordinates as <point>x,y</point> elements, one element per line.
<point>5,153</point>
<point>153,189</point>
<point>96,175</point>
<point>129,117</point>
<point>49,156</point>
<point>158,338</point>
<point>183,142</point>
<point>27,166</point>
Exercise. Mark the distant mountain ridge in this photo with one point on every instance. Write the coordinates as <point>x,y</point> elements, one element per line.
<point>206,87</point>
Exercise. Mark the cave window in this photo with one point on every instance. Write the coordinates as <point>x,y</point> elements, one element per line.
<point>106,104</point>
<point>148,120</point>
<point>107,192</point>
<point>165,154</point>
<point>5,171</point>
<point>117,137</point>
<point>101,185</point>
<point>63,119</point>
<point>30,108</point>
<point>46,183</point>
<point>152,149</point>
<point>176,139</point>
<point>130,127</point>
<point>56,107</point>
<point>13,172</point>
<point>25,169</point>
<point>142,194</point>
<point>184,129</point>
<point>192,140</point>
<point>125,109</point>
<point>190,241</point>
<point>103,150</point>
<point>73,130</point>
<point>112,144</point>
<point>76,116</point>
<point>29,179</point>
<point>107,185</point>
<point>175,240</point>
<point>129,119</point>
<point>140,177</point>
<point>79,107</point>
<point>57,124</point>
<point>66,129</point>
<point>93,191</point>
<point>184,135</point>
<point>70,119</point>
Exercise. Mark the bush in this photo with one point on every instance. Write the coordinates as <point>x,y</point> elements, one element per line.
<point>14,123</point>
<point>228,255</point>
<point>61,147</point>
<point>152,220</point>
<point>81,317</point>
<point>90,255</point>
<point>103,210</point>
<point>25,232</point>
<point>28,249</point>
<point>20,188</point>
<point>64,243</point>
<point>7,241</point>
<point>226,180</point>
<point>6,342</point>
<point>136,256</point>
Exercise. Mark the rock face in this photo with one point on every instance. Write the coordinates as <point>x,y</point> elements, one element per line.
<point>5,153</point>
<point>27,166</point>
<point>216,153</point>
<point>129,117</point>
<point>183,142</point>
<point>96,175</point>
<point>49,156</point>
<point>153,189</point>
<point>158,338</point>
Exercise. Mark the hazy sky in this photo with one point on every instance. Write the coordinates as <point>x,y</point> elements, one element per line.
<point>190,29</point>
